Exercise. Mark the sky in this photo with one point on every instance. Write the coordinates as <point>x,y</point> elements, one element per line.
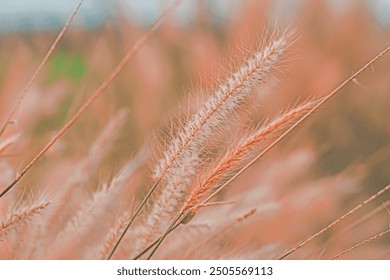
<point>40,15</point>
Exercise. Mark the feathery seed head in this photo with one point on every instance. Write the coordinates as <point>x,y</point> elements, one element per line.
<point>229,96</point>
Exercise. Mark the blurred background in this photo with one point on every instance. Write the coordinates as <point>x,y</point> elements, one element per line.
<point>349,137</point>
<point>43,15</point>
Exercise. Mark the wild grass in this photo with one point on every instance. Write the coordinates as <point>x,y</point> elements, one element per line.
<point>221,180</point>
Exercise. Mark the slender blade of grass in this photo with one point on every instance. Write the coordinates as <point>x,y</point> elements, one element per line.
<point>39,68</point>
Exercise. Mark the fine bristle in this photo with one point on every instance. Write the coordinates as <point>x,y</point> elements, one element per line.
<point>111,149</point>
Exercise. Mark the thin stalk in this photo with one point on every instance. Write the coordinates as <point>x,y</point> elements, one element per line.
<point>335,222</point>
<point>132,219</point>
<point>39,68</point>
<point>153,243</point>
<point>361,243</point>
<point>170,228</point>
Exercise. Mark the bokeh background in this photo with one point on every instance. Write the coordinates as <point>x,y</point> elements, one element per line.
<point>340,156</point>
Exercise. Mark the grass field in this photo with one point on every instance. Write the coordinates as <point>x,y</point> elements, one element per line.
<point>234,125</point>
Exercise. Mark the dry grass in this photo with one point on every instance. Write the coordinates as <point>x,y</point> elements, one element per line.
<point>223,179</point>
